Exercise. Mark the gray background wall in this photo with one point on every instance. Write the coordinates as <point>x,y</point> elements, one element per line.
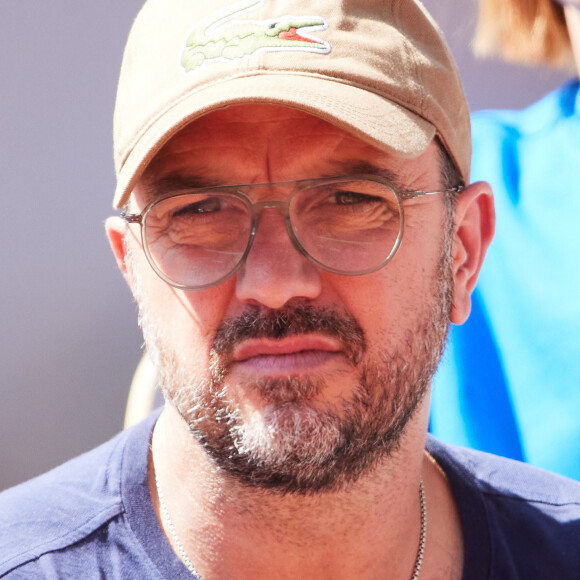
<point>68,338</point>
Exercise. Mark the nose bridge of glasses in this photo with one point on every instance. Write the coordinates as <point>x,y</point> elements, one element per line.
<point>270,196</point>
<point>259,206</point>
<point>271,228</point>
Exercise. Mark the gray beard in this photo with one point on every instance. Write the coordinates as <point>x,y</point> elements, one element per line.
<point>292,446</point>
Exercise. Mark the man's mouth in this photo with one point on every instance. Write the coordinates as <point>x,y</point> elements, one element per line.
<point>292,339</point>
<point>289,355</point>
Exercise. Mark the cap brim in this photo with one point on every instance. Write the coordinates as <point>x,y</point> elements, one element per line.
<point>367,115</point>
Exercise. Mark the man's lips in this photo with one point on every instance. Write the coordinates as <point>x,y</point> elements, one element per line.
<point>289,354</point>
<point>285,346</point>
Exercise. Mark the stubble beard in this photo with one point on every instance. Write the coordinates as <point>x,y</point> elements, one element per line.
<point>292,445</point>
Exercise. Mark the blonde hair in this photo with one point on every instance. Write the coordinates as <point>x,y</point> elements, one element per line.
<point>526,31</point>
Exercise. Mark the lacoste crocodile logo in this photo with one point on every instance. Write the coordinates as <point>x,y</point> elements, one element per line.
<point>216,38</point>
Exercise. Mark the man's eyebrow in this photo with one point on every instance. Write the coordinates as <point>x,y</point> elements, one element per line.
<point>173,183</point>
<point>366,168</point>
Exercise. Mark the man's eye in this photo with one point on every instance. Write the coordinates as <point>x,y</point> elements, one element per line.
<point>209,205</point>
<point>353,198</point>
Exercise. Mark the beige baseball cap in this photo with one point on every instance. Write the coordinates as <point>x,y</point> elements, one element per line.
<point>379,69</point>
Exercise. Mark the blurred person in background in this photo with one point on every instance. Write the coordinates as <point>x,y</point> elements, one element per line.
<point>510,379</point>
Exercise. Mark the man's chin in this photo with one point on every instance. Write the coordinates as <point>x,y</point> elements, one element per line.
<point>290,430</point>
<point>318,390</point>
<point>287,448</point>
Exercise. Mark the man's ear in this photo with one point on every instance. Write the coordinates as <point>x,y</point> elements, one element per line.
<point>116,228</point>
<point>474,229</point>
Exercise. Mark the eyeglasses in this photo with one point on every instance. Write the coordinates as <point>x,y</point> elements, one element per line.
<point>198,238</point>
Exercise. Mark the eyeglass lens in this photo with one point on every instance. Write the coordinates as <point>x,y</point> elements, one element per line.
<point>196,240</point>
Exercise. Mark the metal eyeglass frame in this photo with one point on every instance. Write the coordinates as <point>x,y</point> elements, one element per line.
<point>256,208</point>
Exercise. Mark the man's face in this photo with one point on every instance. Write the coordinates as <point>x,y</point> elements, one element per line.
<point>293,378</point>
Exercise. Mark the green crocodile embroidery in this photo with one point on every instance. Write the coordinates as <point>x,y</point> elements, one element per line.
<point>217,38</point>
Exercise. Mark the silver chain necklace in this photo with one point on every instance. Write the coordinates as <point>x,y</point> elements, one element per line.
<point>179,545</point>
<point>185,558</point>
<point>423,534</point>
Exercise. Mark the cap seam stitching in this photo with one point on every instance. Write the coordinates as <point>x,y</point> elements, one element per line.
<point>417,70</point>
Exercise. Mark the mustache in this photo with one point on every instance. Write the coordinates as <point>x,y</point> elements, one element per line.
<point>291,320</point>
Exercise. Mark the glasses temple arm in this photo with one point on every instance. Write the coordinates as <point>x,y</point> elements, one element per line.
<point>411,193</point>
<point>131,218</point>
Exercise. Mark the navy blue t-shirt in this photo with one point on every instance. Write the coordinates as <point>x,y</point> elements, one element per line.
<point>92,518</point>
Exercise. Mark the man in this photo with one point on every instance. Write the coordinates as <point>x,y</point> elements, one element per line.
<point>268,155</point>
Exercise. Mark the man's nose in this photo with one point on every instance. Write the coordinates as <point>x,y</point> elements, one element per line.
<point>275,271</point>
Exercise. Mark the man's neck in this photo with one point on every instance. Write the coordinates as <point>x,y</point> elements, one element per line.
<point>369,530</point>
